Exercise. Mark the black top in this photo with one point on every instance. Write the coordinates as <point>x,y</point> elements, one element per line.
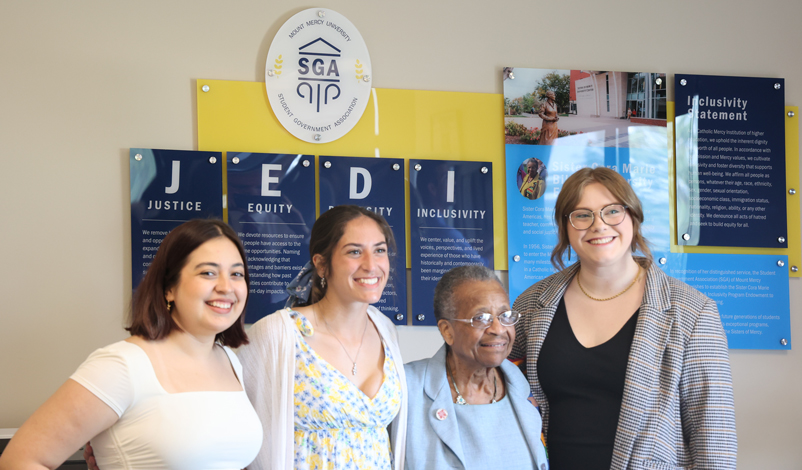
<point>584,387</point>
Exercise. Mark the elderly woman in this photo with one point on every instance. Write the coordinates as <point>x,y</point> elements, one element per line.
<point>629,366</point>
<point>468,405</point>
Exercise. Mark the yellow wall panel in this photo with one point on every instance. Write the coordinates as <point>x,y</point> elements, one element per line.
<point>236,116</point>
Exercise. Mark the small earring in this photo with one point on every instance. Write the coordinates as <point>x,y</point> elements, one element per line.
<point>322,282</point>
<point>169,306</point>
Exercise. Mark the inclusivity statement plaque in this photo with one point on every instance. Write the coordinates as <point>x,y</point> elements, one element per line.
<point>730,141</point>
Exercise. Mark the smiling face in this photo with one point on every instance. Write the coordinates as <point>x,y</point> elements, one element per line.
<point>478,347</point>
<point>531,168</point>
<point>601,245</point>
<point>359,264</point>
<point>211,290</point>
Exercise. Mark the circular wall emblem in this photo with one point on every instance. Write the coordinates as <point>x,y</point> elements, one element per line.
<point>317,75</point>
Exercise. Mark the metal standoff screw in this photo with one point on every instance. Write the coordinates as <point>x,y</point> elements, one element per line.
<point>418,167</point>
<point>396,166</point>
<point>205,88</point>
<point>138,157</point>
<point>784,342</point>
<point>318,136</point>
<point>791,114</point>
<point>777,86</point>
<point>365,78</point>
<point>781,239</point>
<point>484,170</point>
<point>792,191</point>
<point>270,73</point>
<point>516,258</point>
<point>321,13</point>
<point>658,81</point>
<point>686,237</point>
<point>305,163</point>
<point>794,269</point>
<point>683,82</point>
<point>663,261</point>
<point>421,317</point>
<point>399,316</point>
<point>212,160</point>
<point>781,263</point>
<point>235,160</point>
<point>511,75</point>
<point>327,164</point>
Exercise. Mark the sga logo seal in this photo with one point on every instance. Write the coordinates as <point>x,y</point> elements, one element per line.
<point>317,75</point>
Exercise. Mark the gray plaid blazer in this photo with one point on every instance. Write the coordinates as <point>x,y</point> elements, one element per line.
<point>678,410</point>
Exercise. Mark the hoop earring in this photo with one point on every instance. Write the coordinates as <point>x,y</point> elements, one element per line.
<point>322,282</point>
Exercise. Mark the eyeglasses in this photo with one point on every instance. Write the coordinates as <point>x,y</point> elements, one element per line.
<point>484,320</point>
<point>612,215</point>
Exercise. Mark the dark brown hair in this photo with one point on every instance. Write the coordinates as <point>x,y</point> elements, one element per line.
<point>327,232</point>
<point>149,317</point>
<point>571,193</point>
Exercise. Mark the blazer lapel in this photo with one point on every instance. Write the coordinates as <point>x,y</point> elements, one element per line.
<point>437,388</point>
<point>655,320</point>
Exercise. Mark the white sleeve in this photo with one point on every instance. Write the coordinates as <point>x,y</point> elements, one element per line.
<point>106,374</point>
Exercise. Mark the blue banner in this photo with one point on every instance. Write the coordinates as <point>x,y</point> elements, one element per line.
<point>168,188</point>
<point>271,206</point>
<point>531,231</point>
<point>376,184</point>
<point>451,214</point>
<point>751,292</point>
<point>730,136</point>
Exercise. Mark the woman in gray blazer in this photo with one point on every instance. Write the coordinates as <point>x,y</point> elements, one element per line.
<point>468,405</point>
<point>630,366</point>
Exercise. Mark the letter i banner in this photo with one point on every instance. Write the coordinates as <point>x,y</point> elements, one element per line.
<point>377,184</point>
<point>168,188</point>
<point>271,206</point>
<point>451,224</point>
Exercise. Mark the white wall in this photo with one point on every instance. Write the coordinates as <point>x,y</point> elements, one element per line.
<point>82,81</point>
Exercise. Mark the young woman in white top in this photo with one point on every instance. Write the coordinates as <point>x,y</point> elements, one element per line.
<point>171,395</point>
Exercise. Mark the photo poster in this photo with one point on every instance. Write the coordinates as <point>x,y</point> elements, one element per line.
<point>271,206</point>
<point>593,119</point>
<point>377,184</point>
<point>730,141</point>
<point>750,291</point>
<point>168,188</point>
<point>451,224</point>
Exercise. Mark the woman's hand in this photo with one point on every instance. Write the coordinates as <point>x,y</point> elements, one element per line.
<point>89,456</point>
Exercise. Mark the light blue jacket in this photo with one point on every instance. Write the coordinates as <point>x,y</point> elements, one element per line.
<point>434,443</point>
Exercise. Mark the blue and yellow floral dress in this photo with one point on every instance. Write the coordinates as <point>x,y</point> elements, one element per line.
<point>337,426</point>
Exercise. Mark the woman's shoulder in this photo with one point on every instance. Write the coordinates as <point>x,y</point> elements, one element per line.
<point>269,322</point>
<point>552,284</point>
<point>679,293</point>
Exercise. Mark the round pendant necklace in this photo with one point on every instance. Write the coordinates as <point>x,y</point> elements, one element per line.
<point>460,400</point>
<point>609,298</point>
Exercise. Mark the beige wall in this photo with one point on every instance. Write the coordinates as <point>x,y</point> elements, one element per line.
<point>82,81</point>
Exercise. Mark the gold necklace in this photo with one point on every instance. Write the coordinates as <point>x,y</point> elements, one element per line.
<point>608,298</point>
